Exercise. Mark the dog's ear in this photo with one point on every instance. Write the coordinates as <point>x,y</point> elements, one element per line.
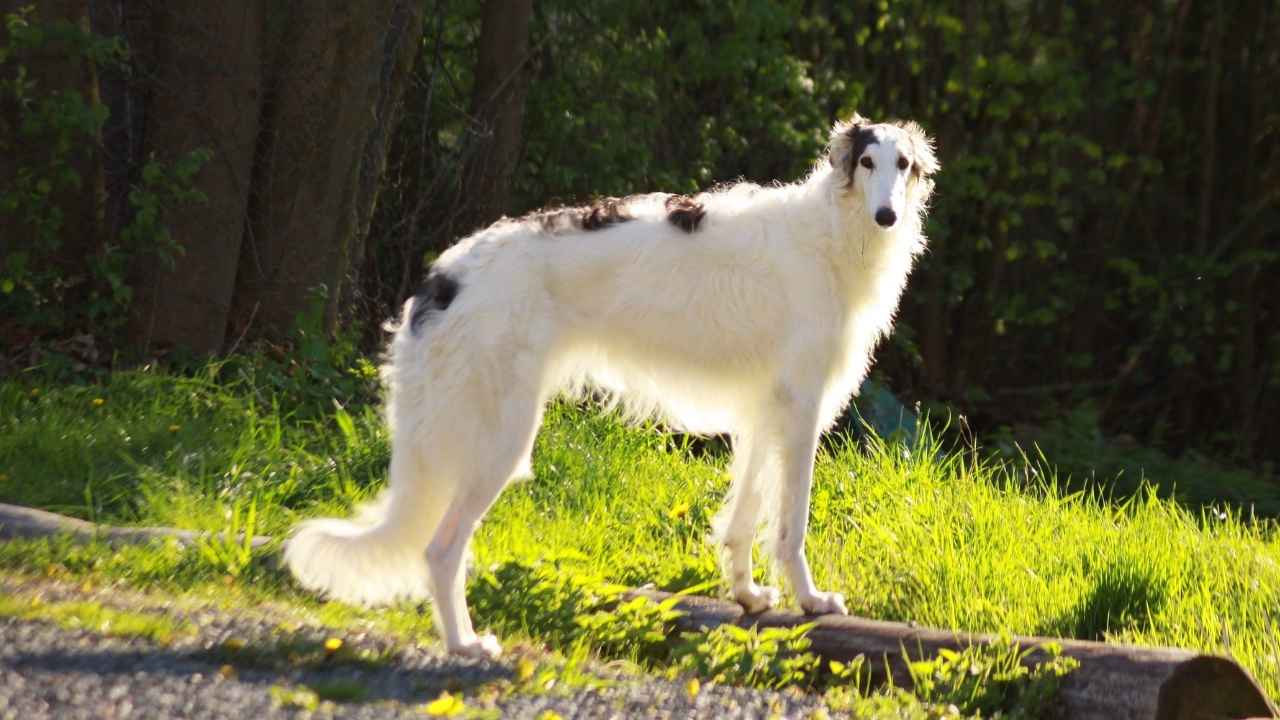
<point>840,145</point>
<point>926,163</point>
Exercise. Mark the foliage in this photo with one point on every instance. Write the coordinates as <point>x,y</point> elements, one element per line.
<point>234,431</point>
<point>637,627</point>
<point>231,551</point>
<point>567,609</point>
<point>1080,252</point>
<point>91,616</point>
<point>540,599</point>
<point>996,678</point>
<point>51,128</point>
<point>731,99</point>
<point>1076,445</point>
<point>772,658</point>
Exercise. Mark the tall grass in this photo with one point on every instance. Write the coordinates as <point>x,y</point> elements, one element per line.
<point>943,538</point>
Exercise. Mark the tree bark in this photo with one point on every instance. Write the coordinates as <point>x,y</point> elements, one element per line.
<point>206,91</point>
<point>322,93</point>
<point>1209,137</point>
<point>497,107</point>
<point>400,51</point>
<point>19,523</point>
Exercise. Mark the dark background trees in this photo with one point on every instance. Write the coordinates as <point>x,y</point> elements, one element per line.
<point>267,108</point>
<point>1105,223</point>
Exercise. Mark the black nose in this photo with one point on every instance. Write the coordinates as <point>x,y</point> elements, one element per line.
<point>886,217</point>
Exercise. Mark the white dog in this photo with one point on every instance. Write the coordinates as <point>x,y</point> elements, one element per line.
<point>750,311</point>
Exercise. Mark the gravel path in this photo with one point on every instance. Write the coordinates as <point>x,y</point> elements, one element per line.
<point>243,665</point>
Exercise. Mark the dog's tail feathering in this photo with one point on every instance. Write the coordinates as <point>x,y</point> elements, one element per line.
<point>375,558</point>
<point>379,555</point>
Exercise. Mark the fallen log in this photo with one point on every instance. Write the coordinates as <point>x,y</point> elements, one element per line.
<point>18,522</point>
<point>1112,682</point>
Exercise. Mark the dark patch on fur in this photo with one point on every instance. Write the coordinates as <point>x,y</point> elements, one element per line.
<point>604,213</point>
<point>435,294</point>
<point>861,136</point>
<point>596,216</point>
<point>684,212</point>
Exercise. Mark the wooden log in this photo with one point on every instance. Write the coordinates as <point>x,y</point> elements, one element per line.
<point>22,522</point>
<point>1112,682</point>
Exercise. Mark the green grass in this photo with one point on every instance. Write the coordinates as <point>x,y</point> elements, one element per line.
<point>943,539</point>
<point>94,617</point>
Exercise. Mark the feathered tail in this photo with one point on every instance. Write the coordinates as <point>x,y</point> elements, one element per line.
<point>375,558</point>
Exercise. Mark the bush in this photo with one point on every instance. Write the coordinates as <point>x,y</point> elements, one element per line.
<point>55,281</point>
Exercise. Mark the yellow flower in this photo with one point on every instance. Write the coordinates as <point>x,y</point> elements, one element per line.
<point>549,715</point>
<point>444,706</point>
<point>233,644</point>
<point>175,428</point>
<point>692,687</point>
<point>332,644</point>
<point>227,672</point>
<point>35,392</point>
<point>524,669</point>
<point>99,402</point>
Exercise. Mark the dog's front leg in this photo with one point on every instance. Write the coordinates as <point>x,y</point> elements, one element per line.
<point>798,450</point>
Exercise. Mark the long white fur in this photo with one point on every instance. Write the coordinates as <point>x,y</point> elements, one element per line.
<point>759,324</point>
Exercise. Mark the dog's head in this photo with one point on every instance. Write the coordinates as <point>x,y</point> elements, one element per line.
<point>888,166</point>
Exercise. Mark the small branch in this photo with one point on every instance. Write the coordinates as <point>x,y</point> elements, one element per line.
<point>22,523</point>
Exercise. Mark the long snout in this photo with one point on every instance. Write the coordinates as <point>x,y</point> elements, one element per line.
<point>886,201</point>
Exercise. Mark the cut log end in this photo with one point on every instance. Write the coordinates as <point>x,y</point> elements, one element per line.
<point>1208,686</point>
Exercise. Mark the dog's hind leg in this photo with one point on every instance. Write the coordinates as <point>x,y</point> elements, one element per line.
<point>735,526</point>
<point>511,440</point>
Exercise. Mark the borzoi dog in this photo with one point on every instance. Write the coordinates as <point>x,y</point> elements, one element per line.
<point>749,311</point>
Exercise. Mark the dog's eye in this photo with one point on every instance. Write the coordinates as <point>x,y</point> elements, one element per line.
<point>903,163</point>
<point>867,162</point>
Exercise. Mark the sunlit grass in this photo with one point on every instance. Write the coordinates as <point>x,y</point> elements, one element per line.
<point>94,617</point>
<point>944,539</point>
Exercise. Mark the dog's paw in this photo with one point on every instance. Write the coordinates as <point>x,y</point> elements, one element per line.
<point>824,603</point>
<point>482,647</point>
<point>757,598</point>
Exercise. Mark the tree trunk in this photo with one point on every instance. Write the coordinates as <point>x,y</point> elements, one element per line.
<point>322,92</point>
<point>497,106</point>
<point>400,51</point>
<point>206,91</point>
<point>1208,151</point>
